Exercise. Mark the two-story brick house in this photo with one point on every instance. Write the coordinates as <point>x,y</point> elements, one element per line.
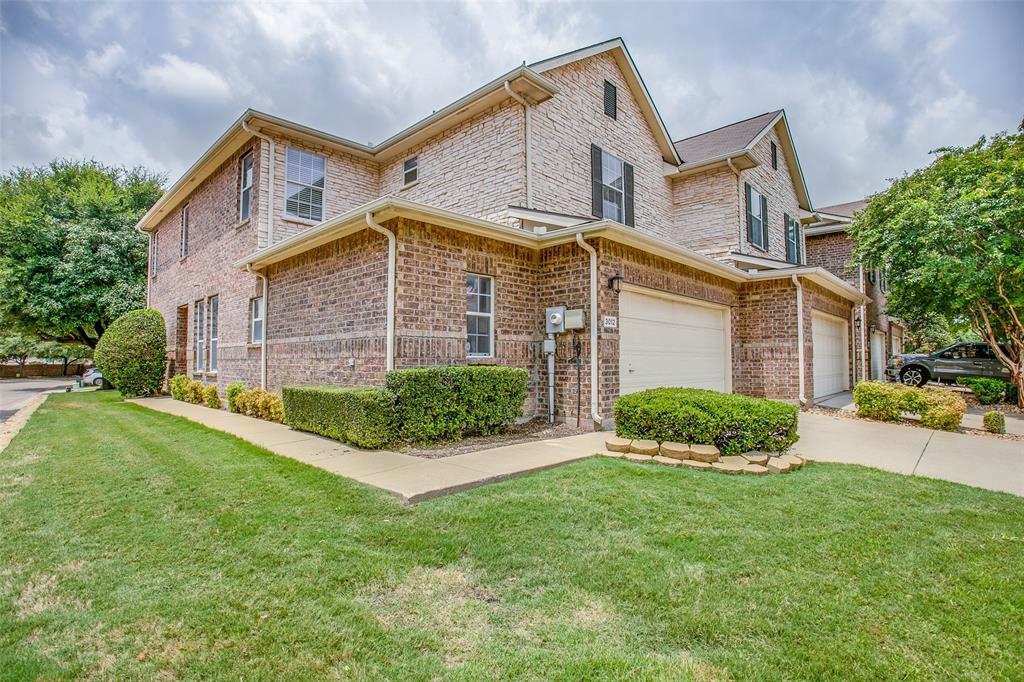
<point>877,335</point>
<point>289,255</point>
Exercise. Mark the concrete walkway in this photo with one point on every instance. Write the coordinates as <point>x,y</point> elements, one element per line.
<point>411,479</point>
<point>982,461</point>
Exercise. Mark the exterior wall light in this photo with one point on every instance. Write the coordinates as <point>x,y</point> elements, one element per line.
<point>615,283</point>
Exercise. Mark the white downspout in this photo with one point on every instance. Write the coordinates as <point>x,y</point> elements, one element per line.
<point>270,181</point>
<point>266,316</point>
<point>853,338</point>
<point>593,328</point>
<point>389,342</point>
<point>863,328</point>
<point>529,146</point>
<point>800,336</point>
<point>149,269</point>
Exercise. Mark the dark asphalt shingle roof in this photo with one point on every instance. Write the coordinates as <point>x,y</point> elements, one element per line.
<point>846,210</point>
<point>725,140</point>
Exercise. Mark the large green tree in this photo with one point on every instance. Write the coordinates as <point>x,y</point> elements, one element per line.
<point>70,259</point>
<point>951,237</point>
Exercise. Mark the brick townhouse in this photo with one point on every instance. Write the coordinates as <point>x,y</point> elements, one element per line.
<point>877,336</point>
<point>288,255</point>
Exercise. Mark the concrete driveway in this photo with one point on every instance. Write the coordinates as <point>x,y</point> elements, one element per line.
<point>14,393</point>
<point>982,461</point>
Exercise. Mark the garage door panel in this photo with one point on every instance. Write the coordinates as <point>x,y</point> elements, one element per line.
<point>665,342</point>
<point>831,355</point>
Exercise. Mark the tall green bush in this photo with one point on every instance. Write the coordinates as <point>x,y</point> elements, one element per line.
<point>733,423</point>
<point>994,422</point>
<point>131,353</point>
<point>989,391</point>
<point>362,416</point>
<point>447,403</point>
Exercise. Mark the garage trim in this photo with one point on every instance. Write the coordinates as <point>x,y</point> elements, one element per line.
<point>657,293</point>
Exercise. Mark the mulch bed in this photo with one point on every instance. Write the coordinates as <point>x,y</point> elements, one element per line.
<point>535,429</point>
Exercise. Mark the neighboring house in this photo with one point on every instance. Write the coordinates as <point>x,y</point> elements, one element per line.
<point>288,255</point>
<point>829,246</point>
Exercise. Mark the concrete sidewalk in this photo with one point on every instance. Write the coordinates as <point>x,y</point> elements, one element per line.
<point>411,479</point>
<point>982,461</point>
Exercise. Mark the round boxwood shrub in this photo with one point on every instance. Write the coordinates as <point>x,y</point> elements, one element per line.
<point>131,353</point>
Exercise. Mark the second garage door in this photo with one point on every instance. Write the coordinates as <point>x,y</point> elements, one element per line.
<point>831,354</point>
<point>671,342</point>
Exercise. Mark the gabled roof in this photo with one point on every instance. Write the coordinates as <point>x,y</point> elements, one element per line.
<point>617,48</point>
<point>734,142</point>
<point>844,210</point>
<point>734,138</point>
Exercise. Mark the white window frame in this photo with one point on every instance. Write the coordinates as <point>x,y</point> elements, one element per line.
<point>288,180</point>
<point>620,191</point>
<point>245,190</point>
<point>199,361</point>
<point>184,229</point>
<point>214,315</point>
<point>489,316</point>
<point>257,313</point>
<point>759,231</point>
<point>414,169</point>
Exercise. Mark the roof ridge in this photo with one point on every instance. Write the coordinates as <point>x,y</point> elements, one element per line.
<point>728,125</point>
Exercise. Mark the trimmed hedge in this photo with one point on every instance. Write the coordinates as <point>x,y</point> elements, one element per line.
<point>939,409</point>
<point>989,391</point>
<point>132,351</point>
<point>210,396</point>
<point>447,403</point>
<point>733,423</point>
<point>260,404</point>
<point>232,391</point>
<point>994,422</point>
<point>362,416</point>
<point>179,386</point>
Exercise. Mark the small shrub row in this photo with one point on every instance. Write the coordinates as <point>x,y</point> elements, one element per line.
<point>255,402</point>
<point>939,409</point>
<point>733,423</point>
<point>195,392</point>
<point>448,403</point>
<point>994,422</point>
<point>989,391</point>
<point>365,417</point>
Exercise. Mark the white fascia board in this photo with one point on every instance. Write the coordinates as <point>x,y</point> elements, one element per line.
<point>819,276</point>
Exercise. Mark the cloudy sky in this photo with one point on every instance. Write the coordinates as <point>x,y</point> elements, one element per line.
<point>869,88</point>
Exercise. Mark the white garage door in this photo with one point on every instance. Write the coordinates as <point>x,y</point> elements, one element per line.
<point>671,342</point>
<point>831,354</point>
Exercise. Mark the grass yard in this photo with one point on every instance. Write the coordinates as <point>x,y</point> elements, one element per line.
<point>136,545</point>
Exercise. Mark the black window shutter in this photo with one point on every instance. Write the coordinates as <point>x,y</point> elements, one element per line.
<point>597,204</point>
<point>775,156</point>
<point>764,222</point>
<point>627,173</point>
<point>750,220</point>
<point>790,239</point>
<point>797,229</point>
<point>611,104</point>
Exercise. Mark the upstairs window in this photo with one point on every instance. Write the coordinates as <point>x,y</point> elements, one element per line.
<point>757,217</point>
<point>612,180</point>
<point>775,156</point>
<point>245,192</point>
<point>184,230</point>
<point>479,316</point>
<point>410,171</point>
<point>304,185</point>
<point>793,241</point>
<point>256,306</point>
<point>611,100</point>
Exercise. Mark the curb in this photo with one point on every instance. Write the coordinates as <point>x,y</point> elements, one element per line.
<point>10,428</point>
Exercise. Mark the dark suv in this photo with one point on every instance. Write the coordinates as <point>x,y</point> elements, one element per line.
<point>959,360</point>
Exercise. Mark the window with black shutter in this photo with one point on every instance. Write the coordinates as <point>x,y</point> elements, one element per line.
<point>757,217</point>
<point>611,103</point>
<point>775,156</point>
<point>612,182</point>
<point>792,239</point>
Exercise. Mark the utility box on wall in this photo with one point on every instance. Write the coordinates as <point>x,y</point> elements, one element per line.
<point>575,319</point>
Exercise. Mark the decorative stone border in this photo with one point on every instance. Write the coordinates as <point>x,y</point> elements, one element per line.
<point>702,457</point>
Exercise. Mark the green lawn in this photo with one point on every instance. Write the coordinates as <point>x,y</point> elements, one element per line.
<point>135,544</point>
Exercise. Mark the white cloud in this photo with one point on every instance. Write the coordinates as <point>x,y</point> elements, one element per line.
<point>181,79</point>
<point>103,62</point>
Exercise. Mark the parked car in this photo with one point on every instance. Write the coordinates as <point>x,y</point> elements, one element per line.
<point>92,376</point>
<point>969,359</point>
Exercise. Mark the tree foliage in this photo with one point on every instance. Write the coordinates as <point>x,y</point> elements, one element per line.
<point>951,237</point>
<point>70,259</point>
<point>17,348</point>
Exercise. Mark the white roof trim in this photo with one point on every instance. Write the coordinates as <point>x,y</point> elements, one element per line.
<point>546,218</point>
<point>819,276</point>
<point>757,260</point>
<point>628,66</point>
